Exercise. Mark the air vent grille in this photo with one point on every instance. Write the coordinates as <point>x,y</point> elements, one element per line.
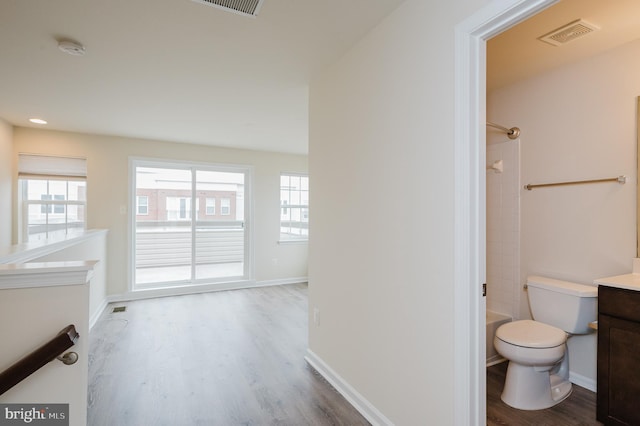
<point>242,7</point>
<point>569,32</point>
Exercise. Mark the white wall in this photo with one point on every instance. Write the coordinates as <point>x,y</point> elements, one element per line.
<point>578,122</point>
<point>29,318</point>
<point>93,248</point>
<point>6,173</point>
<point>107,190</point>
<point>382,181</point>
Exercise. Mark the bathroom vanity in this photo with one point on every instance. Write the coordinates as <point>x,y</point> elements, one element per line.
<point>619,350</point>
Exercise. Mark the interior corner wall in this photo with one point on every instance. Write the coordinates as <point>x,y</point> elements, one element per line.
<point>381,253</point>
<point>6,179</point>
<point>578,122</point>
<point>108,192</point>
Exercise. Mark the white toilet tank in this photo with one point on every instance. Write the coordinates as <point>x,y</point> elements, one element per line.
<point>566,305</point>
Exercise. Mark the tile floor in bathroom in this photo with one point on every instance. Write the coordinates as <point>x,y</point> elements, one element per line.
<point>577,410</point>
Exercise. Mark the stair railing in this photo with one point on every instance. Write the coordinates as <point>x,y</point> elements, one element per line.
<point>40,357</point>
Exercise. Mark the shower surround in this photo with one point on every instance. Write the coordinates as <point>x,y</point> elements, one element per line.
<point>503,227</point>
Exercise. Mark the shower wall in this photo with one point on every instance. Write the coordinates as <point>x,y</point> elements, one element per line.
<point>503,226</point>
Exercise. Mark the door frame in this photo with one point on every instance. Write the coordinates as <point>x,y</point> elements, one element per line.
<point>470,200</point>
<point>196,286</point>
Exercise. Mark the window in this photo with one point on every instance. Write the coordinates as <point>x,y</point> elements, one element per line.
<point>184,239</point>
<point>225,206</point>
<point>178,208</point>
<point>142,203</point>
<point>294,207</point>
<point>52,195</point>
<point>210,208</point>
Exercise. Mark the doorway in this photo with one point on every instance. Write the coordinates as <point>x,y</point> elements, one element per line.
<point>470,200</point>
<point>189,224</point>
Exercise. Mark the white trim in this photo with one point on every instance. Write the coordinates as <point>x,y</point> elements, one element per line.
<point>174,164</point>
<point>45,274</point>
<point>469,202</point>
<point>202,288</point>
<point>285,242</point>
<point>98,313</point>
<point>282,281</point>
<point>359,402</point>
<point>26,252</point>
<point>583,381</point>
<point>131,227</point>
<point>249,232</point>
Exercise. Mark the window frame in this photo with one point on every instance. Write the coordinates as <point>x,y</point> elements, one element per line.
<point>138,205</point>
<point>211,205</point>
<point>288,208</point>
<point>48,207</point>
<point>171,286</point>
<point>223,201</point>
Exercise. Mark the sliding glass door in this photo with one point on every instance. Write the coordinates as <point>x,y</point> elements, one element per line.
<point>189,223</point>
<point>219,230</point>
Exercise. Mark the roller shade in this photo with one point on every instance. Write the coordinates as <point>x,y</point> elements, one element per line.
<point>42,165</point>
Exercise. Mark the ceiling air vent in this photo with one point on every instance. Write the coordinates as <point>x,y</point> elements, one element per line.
<point>241,7</point>
<point>567,33</point>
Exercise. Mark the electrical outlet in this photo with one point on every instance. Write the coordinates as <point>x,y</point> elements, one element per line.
<point>316,316</point>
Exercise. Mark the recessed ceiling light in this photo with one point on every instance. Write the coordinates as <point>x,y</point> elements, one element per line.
<point>37,121</point>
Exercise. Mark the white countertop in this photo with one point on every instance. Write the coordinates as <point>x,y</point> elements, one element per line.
<point>26,252</point>
<point>627,281</point>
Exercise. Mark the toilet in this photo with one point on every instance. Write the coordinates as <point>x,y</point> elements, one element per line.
<point>538,372</point>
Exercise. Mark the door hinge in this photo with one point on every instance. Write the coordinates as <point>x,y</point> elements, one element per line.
<point>484,289</point>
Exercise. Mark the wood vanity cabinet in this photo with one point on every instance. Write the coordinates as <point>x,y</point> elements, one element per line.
<point>618,399</point>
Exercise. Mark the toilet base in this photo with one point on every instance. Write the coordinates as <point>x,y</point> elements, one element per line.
<point>528,388</point>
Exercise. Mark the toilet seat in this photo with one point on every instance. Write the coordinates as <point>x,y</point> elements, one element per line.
<point>531,334</point>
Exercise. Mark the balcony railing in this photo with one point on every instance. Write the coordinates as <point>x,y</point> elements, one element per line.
<point>169,243</point>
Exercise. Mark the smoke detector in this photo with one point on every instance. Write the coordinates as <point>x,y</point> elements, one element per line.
<point>71,47</point>
<point>241,7</point>
<point>568,32</point>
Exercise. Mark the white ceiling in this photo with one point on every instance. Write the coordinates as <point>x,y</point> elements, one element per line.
<point>175,70</point>
<point>517,54</point>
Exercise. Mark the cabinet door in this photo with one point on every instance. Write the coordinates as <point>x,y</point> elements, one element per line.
<point>618,371</point>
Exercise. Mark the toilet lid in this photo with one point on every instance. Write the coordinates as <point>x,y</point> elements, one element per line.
<point>531,334</point>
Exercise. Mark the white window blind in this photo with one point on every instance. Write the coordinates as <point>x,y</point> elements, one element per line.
<point>42,165</point>
<point>52,194</point>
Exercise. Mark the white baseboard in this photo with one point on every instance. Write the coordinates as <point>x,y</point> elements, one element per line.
<point>495,360</point>
<point>205,288</point>
<point>371,413</point>
<point>583,381</point>
<point>281,281</point>
<point>96,315</point>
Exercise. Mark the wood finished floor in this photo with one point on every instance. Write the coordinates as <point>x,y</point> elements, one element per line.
<point>579,409</point>
<point>225,358</point>
<point>237,358</point>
